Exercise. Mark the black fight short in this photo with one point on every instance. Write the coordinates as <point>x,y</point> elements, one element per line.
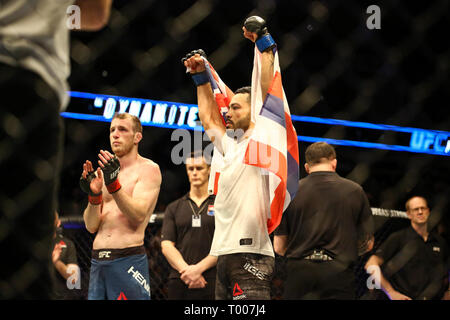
<point>244,276</point>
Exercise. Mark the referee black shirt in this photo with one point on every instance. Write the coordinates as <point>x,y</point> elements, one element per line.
<point>413,266</point>
<point>328,212</point>
<point>194,243</point>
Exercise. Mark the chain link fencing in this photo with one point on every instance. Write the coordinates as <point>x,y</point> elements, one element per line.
<point>74,229</point>
<point>386,222</point>
<point>333,66</point>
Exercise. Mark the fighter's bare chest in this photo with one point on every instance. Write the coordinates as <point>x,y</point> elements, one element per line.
<point>128,181</point>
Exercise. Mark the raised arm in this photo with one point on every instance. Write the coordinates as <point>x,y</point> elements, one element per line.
<point>207,107</point>
<point>94,13</point>
<point>267,61</point>
<point>256,31</point>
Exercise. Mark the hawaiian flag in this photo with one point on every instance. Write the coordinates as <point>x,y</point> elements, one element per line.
<point>222,93</point>
<point>223,96</point>
<point>273,144</point>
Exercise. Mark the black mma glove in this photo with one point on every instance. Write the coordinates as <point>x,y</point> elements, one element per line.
<point>193,52</point>
<point>85,185</point>
<point>199,78</point>
<point>110,173</point>
<point>258,25</point>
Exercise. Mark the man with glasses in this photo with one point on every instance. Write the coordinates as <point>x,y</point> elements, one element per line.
<point>414,260</point>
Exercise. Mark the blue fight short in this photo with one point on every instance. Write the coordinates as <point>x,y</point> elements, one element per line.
<point>119,274</point>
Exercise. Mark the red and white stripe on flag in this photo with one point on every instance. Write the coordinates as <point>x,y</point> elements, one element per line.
<point>273,144</point>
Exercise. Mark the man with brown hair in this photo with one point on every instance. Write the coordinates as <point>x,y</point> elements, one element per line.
<point>187,234</point>
<point>119,213</point>
<point>241,240</point>
<point>324,229</point>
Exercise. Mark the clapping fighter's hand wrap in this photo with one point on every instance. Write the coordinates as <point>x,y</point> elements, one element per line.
<point>199,78</point>
<point>85,185</point>
<point>110,173</point>
<point>257,25</point>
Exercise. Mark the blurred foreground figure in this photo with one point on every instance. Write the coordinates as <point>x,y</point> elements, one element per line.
<point>34,67</point>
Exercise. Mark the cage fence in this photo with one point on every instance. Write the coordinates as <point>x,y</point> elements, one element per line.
<point>332,66</point>
<point>386,222</point>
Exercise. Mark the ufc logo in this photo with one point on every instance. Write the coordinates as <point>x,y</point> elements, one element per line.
<point>104,254</point>
<point>114,174</point>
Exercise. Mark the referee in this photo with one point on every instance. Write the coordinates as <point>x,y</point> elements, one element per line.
<point>326,226</point>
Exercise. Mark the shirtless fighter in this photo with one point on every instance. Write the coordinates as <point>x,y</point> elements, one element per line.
<point>119,213</point>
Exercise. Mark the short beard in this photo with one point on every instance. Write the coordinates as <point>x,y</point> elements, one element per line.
<point>122,150</point>
<point>239,128</point>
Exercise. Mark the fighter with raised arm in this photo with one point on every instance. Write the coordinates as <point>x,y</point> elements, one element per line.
<point>119,213</point>
<point>241,241</point>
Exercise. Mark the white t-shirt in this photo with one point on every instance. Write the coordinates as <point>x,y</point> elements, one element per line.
<point>241,206</point>
<point>34,36</point>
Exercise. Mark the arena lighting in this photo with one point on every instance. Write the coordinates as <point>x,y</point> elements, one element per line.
<point>175,115</point>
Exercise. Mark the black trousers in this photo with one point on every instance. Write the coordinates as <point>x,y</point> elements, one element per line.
<point>30,156</point>
<point>244,276</point>
<point>178,290</point>
<point>328,280</point>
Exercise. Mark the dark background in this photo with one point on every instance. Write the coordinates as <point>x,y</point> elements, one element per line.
<point>332,65</point>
